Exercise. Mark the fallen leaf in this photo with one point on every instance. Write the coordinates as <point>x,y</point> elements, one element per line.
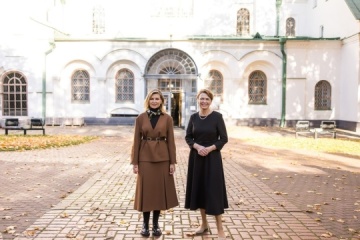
<point>327,235</point>
<point>123,223</point>
<point>70,235</point>
<point>64,215</point>
<point>275,236</point>
<point>10,229</point>
<point>29,233</point>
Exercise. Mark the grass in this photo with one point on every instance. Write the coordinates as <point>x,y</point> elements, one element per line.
<point>342,146</point>
<point>28,142</point>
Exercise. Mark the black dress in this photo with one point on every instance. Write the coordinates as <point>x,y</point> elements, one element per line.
<point>205,179</point>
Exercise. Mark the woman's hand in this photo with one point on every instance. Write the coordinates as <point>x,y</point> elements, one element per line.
<point>204,151</point>
<point>136,169</point>
<point>172,169</point>
<point>199,149</point>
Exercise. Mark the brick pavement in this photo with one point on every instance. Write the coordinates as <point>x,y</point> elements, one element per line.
<point>97,185</point>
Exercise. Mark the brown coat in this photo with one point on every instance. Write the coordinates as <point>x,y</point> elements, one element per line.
<point>153,151</point>
<point>155,187</point>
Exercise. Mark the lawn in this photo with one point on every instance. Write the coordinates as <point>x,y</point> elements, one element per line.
<point>344,146</point>
<point>28,142</point>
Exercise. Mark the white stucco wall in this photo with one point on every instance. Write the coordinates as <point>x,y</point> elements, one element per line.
<point>296,10</point>
<point>102,67</point>
<point>327,14</point>
<point>349,80</point>
<point>309,63</point>
<point>25,47</point>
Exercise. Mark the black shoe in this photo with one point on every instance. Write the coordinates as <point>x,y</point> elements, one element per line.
<point>156,231</point>
<point>145,230</point>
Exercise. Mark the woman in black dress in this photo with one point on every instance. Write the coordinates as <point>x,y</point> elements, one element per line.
<point>205,190</point>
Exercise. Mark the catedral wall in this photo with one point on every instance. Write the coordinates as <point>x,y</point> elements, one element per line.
<point>175,47</point>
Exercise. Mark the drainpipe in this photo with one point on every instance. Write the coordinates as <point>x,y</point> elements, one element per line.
<point>283,101</point>
<point>278,4</point>
<point>44,81</point>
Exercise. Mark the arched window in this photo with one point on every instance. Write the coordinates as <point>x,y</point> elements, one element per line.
<point>170,68</point>
<point>168,64</point>
<point>323,95</point>
<point>98,20</point>
<point>243,22</point>
<point>14,95</point>
<point>214,82</point>
<point>290,27</point>
<point>257,88</point>
<point>124,85</point>
<point>80,86</point>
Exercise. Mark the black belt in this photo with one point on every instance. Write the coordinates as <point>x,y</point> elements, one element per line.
<point>154,139</point>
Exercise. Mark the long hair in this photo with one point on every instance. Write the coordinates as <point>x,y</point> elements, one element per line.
<point>149,95</point>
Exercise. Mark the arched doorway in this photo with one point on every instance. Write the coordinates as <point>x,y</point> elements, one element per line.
<point>174,72</point>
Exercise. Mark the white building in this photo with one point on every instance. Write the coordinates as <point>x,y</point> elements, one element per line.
<point>270,62</point>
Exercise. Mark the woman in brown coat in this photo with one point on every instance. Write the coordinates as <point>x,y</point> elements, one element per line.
<point>153,159</point>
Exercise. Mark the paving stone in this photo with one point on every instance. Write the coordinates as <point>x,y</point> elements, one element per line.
<point>94,185</point>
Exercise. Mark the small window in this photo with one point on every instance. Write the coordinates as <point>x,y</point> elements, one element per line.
<point>14,95</point>
<point>124,86</point>
<point>257,88</point>
<point>243,22</point>
<point>290,27</point>
<point>80,85</point>
<point>323,95</point>
<point>214,82</point>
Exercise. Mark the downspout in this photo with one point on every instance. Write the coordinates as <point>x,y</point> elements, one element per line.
<point>44,81</point>
<point>278,4</point>
<point>284,63</point>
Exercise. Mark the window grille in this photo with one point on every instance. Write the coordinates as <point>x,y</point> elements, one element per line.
<point>214,82</point>
<point>80,85</point>
<point>14,95</point>
<point>257,88</point>
<point>193,86</point>
<point>98,20</point>
<point>323,95</point>
<point>243,22</point>
<point>169,85</point>
<point>171,59</point>
<point>290,27</point>
<point>124,86</point>
<point>170,68</point>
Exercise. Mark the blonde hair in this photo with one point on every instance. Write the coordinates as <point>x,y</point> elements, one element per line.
<point>207,92</point>
<point>149,95</point>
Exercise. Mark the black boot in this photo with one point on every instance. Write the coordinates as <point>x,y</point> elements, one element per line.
<point>156,231</point>
<point>145,229</point>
